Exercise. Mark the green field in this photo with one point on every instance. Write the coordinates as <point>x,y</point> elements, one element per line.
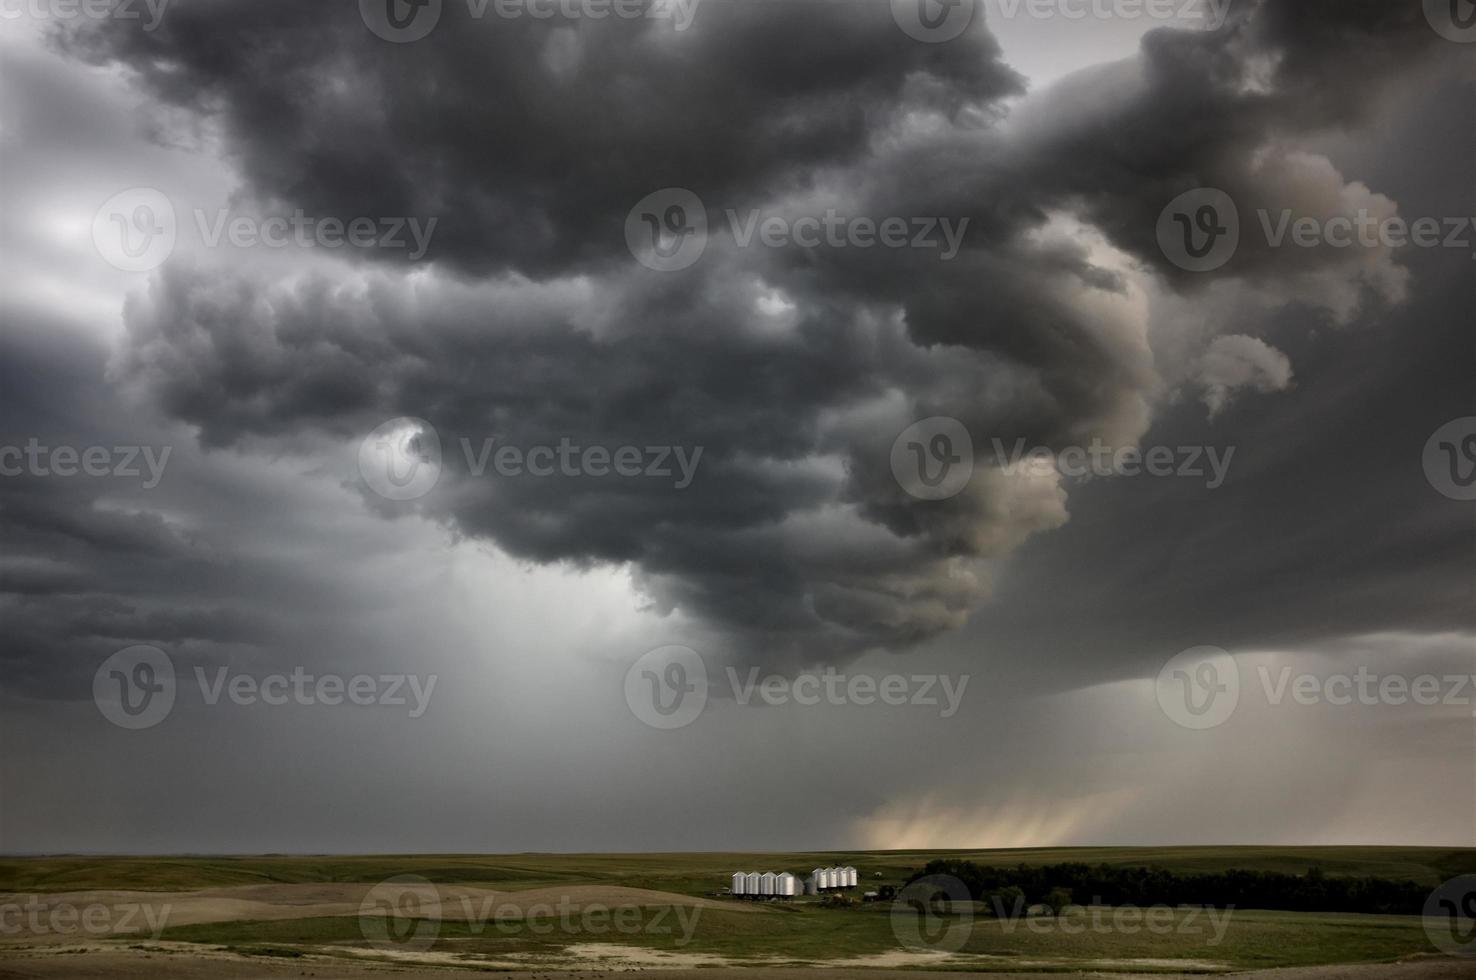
<point>804,934</point>
<point>693,874</point>
<point>805,930</point>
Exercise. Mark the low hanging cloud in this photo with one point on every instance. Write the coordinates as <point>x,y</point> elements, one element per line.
<point>1238,362</point>
<point>792,368</point>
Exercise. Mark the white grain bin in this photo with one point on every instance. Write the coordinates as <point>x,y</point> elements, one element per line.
<point>739,883</point>
<point>751,883</point>
<point>786,884</point>
<point>766,883</point>
<point>828,878</point>
<point>852,879</point>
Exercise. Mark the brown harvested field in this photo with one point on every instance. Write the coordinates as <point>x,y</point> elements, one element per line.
<point>125,964</point>
<point>278,902</point>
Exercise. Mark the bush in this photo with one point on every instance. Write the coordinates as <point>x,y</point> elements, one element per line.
<point>1109,885</point>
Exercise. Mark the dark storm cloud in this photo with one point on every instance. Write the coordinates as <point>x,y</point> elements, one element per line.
<point>95,563</point>
<point>531,140</point>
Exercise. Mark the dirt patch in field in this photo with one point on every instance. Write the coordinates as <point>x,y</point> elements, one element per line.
<point>69,916</point>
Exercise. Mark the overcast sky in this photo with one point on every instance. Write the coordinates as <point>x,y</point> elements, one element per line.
<point>785,252</point>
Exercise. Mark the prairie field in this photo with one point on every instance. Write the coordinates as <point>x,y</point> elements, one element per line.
<point>637,912</point>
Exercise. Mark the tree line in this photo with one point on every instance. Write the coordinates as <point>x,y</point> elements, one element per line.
<point>1000,888</point>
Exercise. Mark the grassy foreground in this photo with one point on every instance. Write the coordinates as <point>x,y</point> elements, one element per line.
<point>805,931</point>
<point>806,934</point>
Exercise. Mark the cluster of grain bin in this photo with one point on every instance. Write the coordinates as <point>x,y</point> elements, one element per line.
<point>766,884</point>
<point>824,880</point>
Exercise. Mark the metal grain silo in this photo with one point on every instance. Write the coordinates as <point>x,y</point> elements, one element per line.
<point>831,878</point>
<point>766,883</point>
<point>851,878</point>
<point>817,879</point>
<point>786,885</point>
<point>751,883</point>
<point>738,883</point>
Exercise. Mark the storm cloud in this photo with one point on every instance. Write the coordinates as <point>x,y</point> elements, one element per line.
<point>781,373</point>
